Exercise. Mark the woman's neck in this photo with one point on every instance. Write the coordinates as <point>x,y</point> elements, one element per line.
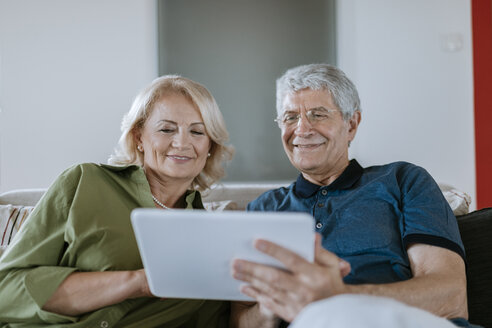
<point>169,192</point>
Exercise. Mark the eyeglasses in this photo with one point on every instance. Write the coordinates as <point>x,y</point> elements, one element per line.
<point>314,116</point>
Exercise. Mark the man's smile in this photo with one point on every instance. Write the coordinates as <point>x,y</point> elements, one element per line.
<point>308,146</point>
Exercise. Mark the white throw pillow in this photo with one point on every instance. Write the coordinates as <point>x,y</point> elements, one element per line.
<point>225,205</point>
<point>11,219</point>
<point>459,201</point>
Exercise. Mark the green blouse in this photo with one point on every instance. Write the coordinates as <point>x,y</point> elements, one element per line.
<point>82,223</point>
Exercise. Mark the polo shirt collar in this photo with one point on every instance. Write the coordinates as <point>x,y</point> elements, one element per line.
<point>349,176</point>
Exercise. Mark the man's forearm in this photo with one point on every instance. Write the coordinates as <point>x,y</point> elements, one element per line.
<point>442,295</point>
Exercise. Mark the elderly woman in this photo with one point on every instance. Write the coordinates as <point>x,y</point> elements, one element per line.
<point>75,263</point>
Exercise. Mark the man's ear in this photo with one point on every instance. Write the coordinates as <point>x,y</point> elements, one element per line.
<point>353,124</point>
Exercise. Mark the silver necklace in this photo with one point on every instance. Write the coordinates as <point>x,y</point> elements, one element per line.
<point>159,203</point>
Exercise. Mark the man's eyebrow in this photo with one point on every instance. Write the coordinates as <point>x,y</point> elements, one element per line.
<point>321,108</point>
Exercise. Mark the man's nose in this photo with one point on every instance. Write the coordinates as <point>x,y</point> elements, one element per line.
<point>303,125</point>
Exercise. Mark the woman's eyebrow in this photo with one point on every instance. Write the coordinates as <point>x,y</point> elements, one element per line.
<point>175,123</point>
<point>167,121</point>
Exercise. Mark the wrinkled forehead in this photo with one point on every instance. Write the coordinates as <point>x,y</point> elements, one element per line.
<point>306,99</point>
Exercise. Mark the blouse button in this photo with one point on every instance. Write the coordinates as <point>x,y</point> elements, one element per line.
<point>319,225</point>
<point>324,192</point>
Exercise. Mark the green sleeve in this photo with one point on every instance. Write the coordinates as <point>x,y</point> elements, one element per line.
<point>29,271</point>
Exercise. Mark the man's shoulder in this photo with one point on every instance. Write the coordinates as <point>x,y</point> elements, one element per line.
<point>399,165</point>
<point>269,200</point>
<point>400,169</point>
<point>402,174</point>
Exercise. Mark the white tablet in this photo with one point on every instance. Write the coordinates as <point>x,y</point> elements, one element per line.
<point>188,254</point>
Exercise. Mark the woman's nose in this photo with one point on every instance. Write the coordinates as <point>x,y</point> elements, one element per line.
<point>181,139</point>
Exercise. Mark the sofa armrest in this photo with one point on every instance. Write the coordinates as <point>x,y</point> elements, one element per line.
<point>25,197</point>
<point>476,234</point>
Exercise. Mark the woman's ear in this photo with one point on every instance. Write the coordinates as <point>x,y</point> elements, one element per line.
<point>137,137</point>
<point>211,148</point>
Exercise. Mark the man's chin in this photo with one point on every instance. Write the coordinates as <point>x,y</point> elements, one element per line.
<point>306,166</point>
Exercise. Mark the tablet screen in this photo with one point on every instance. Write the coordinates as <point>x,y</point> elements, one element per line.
<point>188,254</point>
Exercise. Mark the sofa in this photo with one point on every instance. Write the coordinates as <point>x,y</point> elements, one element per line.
<point>475,229</point>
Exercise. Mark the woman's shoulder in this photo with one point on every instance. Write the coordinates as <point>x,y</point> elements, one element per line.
<point>90,167</point>
<point>84,171</point>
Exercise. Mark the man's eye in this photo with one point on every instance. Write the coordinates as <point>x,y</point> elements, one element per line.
<point>290,118</point>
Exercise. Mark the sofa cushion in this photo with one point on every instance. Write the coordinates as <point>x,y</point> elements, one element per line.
<point>11,219</point>
<point>476,233</point>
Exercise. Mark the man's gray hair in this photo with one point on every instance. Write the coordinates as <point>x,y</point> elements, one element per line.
<point>320,77</point>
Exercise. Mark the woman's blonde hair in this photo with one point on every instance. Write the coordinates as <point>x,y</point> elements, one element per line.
<point>126,153</point>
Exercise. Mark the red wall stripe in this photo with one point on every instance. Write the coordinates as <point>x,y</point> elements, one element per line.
<point>482,69</point>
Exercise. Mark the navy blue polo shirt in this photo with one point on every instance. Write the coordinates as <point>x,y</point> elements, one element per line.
<point>369,216</point>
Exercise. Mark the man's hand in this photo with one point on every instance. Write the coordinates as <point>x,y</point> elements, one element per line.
<point>287,292</point>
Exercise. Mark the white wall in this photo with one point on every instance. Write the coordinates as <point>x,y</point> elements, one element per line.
<point>68,72</point>
<point>412,64</point>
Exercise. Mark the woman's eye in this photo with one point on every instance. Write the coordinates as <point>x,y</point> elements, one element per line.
<point>167,130</point>
<point>197,133</point>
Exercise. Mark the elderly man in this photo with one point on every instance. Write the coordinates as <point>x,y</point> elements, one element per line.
<point>388,226</point>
